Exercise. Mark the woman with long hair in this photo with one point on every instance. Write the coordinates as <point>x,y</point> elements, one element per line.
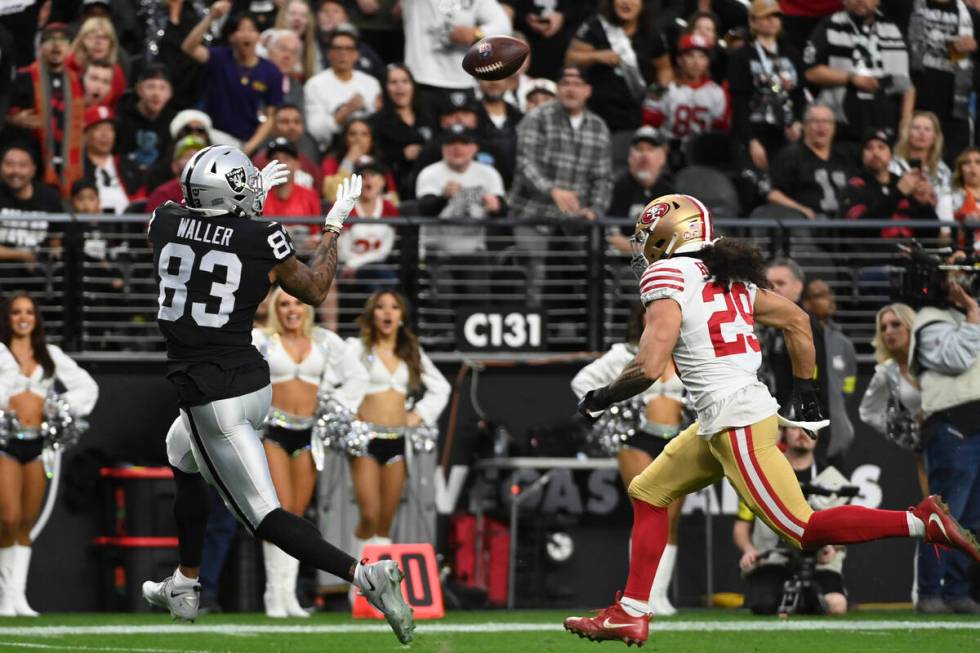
<point>295,15</point>
<point>22,478</point>
<point>966,199</point>
<point>405,390</point>
<point>97,41</point>
<point>662,420</point>
<point>354,142</point>
<point>402,126</point>
<point>920,147</point>
<point>304,360</point>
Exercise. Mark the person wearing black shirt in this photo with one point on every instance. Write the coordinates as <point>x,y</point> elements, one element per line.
<point>623,56</point>
<point>548,26</point>
<point>808,176</point>
<point>877,194</point>
<point>496,124</point>
<point>402,127</point>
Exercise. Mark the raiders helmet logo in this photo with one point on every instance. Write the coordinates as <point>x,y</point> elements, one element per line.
<point>236,179</point>
<point>654,212</point>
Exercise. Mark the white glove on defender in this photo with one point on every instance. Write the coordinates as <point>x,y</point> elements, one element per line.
<point>273,174</point>
<point>347,194</point>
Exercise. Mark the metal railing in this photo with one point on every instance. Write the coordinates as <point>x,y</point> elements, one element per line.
<point>93,277</point>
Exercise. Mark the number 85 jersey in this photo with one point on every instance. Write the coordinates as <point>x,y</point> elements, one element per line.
<point>212,273</point>
<point>717,354</point>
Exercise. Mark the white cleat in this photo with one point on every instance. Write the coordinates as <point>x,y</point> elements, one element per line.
<point>183,603</point>
<point>381,584</point>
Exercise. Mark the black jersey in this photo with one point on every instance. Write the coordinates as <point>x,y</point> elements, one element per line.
<point>213,272</point>
<point>811,181</point>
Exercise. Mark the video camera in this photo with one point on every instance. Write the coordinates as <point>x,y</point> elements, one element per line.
<point>921,276</point>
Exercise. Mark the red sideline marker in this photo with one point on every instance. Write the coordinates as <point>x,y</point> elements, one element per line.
<point>420,588</point>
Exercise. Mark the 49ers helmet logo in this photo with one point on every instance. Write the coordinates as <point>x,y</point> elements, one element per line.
<point>654,212</point>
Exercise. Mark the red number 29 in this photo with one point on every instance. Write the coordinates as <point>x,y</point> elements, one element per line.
<point>737,302</point>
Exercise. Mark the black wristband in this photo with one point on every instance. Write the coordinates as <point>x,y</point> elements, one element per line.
<point>600,398</point>
<point>804,385</point>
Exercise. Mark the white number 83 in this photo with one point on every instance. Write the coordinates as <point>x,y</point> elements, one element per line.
<point>177,283</point>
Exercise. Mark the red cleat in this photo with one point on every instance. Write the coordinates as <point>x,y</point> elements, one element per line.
<point>942,529</point>
<point>612,623</point>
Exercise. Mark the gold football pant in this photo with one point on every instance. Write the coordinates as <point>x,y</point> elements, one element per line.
<point>747,457</point>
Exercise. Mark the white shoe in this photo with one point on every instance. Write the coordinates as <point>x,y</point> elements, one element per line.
<point>381,584</point>
<point>18,583</point>
<point>7,608</point>
<point>290,602</point>
<point>274,559</point>
<point>182,602</point>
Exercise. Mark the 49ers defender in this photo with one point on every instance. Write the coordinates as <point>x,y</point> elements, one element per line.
<point>702,297</point>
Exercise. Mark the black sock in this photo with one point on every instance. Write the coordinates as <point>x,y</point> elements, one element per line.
<point>191,506</point>
<point>300,539</point>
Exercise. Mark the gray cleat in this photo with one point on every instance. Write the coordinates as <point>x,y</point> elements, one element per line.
<point>183,603</point>
<point>381,584</point>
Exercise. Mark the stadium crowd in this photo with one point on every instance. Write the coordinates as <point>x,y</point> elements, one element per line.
<point>842,109</point>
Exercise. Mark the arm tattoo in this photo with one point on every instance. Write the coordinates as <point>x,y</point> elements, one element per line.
<point>324,263</point>
<point>312,283</point>
<point>630,382</point>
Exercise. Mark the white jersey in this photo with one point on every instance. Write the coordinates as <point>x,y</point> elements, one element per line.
<point>687,109</point>
<point>717,354</point>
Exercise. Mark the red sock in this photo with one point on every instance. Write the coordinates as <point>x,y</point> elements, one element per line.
<point>850,524</point>
<point>649,539</point>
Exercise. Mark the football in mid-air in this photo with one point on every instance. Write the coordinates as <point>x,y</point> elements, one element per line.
<point>495,57</point>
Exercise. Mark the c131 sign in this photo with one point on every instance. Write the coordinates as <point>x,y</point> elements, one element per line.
<point>500,329</point>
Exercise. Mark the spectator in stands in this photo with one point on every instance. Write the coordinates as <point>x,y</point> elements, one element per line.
<point>289,198</point>
<point>297,17</point>
<point>172,190</point>
<point>966,199</point>
<point>800,17</point>
<point>333,13</point>
<point>327,366</point>
<point>241,86</point>
<point>38,367</point>
<point>707,25</point>
<point>945,358</point>
<point>22,241</point>
<point>53,112</point>
<point>563,170</point>
<point>942,52</point>
<point>380,22</point>
<point>876,193</point>
<point>920,148</point>
<point>809,176</point>
<point>167,25</point>
<point>96,41</point>
<point>623,55</point>
<point>767,97</point>
<point>693,103</point>
<point>549,27</point>
<point>642,182</point>
<point>143,128</point>
<point>838,370</point>
<point>397,369</point>
<point>284,48</point>
<point>97,82</point>
<point>764,563</point>
<point>457,187</point>
<point>364,247</point>
<point>102,165</point>
<point>339,93</point>
<point>402,126</point>
<point>858,59</point>
<point>437,36</point>
<point>539,91</point>
<point>288,124</point>
<point>497,126</point>
<point>459,110</point>
<point>357,140</point>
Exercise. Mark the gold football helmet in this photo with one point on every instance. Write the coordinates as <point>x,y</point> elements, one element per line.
<point>669,225</point>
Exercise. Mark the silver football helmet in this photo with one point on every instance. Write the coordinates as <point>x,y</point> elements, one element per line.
<point>221,179</point>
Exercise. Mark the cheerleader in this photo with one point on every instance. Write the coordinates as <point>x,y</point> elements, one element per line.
<point>22,478</point>
<point>662,420</point>
<point>303,360</point>
<point>404,390</point>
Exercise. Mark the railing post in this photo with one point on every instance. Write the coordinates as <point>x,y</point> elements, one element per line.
<point>72,245</point>
<point>409,265</point>
<point>595,290</point>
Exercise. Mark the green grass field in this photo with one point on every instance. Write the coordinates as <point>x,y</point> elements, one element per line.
<point>694,631</point>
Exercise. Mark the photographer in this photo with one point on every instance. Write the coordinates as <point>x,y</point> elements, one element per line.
<point>945,356</point>
<point>766,561</point>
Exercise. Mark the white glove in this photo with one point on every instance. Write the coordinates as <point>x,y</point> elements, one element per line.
<point>273,174</point>
<point>347,194</point>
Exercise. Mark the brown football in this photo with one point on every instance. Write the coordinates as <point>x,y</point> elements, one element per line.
<point>495,57</point>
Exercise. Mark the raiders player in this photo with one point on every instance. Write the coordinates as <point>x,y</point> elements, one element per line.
<point>702,297</point>
<point>214,264</point>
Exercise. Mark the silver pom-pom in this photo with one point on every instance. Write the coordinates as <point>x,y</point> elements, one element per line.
<point>616,426</point>
<point>331,422</point>
<point>423,438</point>
<point>60,428</point>
<point>357,438</point>
<point>9,426</point>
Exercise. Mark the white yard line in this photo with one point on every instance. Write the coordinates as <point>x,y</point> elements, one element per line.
<point>437,628</point>
<point>78,647</point>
